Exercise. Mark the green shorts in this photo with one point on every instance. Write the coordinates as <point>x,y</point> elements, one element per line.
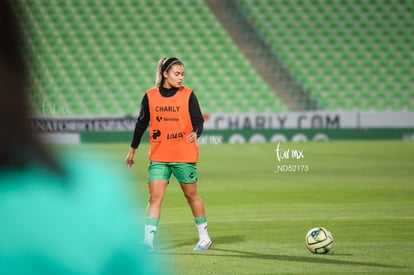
<point>183,172</point>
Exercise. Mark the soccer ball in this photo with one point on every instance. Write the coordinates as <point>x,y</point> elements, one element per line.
<point>319,240</point>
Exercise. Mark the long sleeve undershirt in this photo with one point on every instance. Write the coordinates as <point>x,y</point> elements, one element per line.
<point>196,116</point>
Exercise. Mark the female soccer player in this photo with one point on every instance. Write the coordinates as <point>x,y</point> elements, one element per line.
<point>175,120</point>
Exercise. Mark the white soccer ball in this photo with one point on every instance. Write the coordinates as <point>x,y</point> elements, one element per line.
<point>319,240</point>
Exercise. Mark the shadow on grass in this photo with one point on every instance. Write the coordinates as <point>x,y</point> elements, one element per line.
<point>318,259</point>
<point>232,253</point>
<point>221,240</point>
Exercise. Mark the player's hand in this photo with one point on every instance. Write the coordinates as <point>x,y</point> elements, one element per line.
<point>129,160</point>
<point>192,137</point>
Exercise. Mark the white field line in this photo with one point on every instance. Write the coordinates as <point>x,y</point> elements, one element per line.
<point>211,219</point>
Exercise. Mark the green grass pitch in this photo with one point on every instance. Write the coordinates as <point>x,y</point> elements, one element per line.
<point>362,191</point>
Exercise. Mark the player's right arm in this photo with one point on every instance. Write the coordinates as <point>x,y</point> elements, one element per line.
<point>140,127</point>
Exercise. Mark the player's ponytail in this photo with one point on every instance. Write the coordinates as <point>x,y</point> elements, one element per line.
<point>159,77</point>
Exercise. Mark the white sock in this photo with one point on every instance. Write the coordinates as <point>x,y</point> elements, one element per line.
<point>202,231</point>
<point>150,231</point>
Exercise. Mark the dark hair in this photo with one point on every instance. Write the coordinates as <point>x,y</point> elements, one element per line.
<point>165,64</point>
<point>18,144</point>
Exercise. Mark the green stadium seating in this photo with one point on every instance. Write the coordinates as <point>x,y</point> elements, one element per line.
<point>98,57</point>
<point>360,48</point>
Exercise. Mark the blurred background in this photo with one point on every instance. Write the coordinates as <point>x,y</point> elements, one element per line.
<point>97,57</point>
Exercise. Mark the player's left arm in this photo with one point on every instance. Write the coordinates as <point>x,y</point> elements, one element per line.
<point>196,116</point>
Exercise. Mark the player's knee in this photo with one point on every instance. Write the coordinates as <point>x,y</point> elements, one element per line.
<point>155,198</point>
<point>191,196</point>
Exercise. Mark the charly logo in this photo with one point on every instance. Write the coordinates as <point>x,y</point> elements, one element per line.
<point>156,134</point>
<point>159,118</point>
<point>292,156</point>
<point>168,109</point>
